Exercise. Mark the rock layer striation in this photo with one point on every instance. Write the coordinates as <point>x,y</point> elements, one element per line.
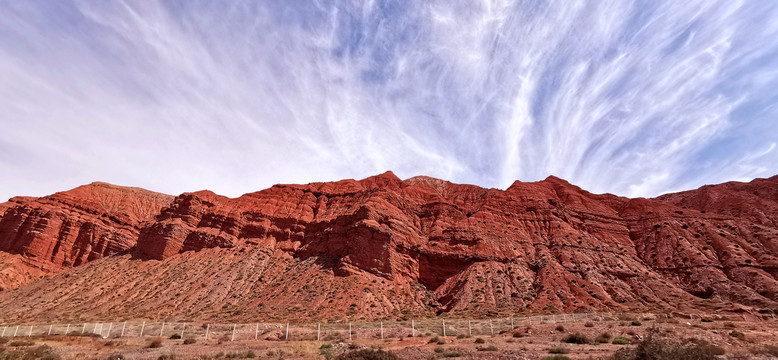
<point>382,247</point>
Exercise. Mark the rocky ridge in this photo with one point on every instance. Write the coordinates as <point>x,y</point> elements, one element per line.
<point>387,248</point>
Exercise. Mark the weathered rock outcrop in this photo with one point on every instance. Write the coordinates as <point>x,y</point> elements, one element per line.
<point>72,227</point>
<point>383,247</point>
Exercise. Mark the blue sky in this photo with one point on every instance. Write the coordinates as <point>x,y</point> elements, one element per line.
<point>633,98</point>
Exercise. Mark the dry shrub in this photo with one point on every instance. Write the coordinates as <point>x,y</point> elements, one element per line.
<point>603,338</point>
<point>487,348</point>
<point>576,338</point>
<point>42,352</point>
<point>155,343</point>
<point>737,335</point>
<point>368,354</point>
<point>620,340</point>
<point>557,350</point>
<point>241,355</point>
<point>655,348</point>
<point>21,343</point>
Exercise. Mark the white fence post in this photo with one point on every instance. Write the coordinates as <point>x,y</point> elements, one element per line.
<point>256,332</point>
<point>233,332</point>
<point>207,328</point>
<point>512,327</point>
<point>30,333</point>
<point>83,329</point>
<point>413,328</point>
<point>182,330</point>
<point>143,326</point>
<point>17,330</point>
<point>318,333</point>
<point>287,332</point>
<point>67,330</point>
<point>50,326</point>
<point>109,330</point>
<point>123,326</point>
<point>382,330</point>
<point>349,331</point>
<point>444,327</point>
<point>469,329</point>
<point>491,328</point>
<point>530,320</point>
<point>4,327</point>
<point>162,329</point>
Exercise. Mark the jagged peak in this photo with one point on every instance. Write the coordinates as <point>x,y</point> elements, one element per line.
<point>387,175</point>
<point>555,179</point>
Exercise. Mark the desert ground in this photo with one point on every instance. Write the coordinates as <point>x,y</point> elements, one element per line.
<point>590,340</point>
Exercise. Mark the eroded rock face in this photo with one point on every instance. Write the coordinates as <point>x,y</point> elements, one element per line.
<point>383,247</point>
<point>544,245</point>
<point>72,227</point>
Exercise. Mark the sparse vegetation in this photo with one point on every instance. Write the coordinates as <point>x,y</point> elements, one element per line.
<point>21,343</point>
<point>560,328</point>
<point>555,357</point>
<point>447,353</point>
<point>488,348</point>
<point>42,352</point>
<point>557,350</point>
<point>655,348</point>
<point>620,340</point>
<point>589,324</point>
<point>737,335</point>
<point>155,343</point>
<point>436,340</point>
<point>189,341</point>
<point>479,341</point>
<point>636,323</point>
<point>603,338</point>
<point>249,354</point>
<point>368,354</point>
<point>576,338</point>
<point>326,350</point>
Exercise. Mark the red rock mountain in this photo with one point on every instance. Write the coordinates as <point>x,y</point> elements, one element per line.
<point>387,248</point>
<point>39,236</point>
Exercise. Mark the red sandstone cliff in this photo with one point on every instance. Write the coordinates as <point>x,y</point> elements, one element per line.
<point>69,228</point>
<point>382,247</point>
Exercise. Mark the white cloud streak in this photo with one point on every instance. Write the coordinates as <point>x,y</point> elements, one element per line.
<point>631,98</point>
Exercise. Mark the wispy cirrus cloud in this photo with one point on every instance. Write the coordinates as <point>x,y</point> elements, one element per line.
<point>635,98</point>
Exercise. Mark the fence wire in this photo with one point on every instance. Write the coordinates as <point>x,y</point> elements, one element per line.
<point>311,331</point>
